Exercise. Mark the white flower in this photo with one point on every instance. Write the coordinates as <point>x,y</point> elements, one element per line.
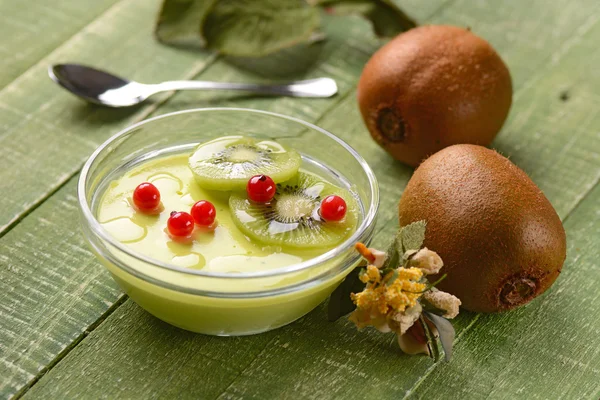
<point>443,301</point>
<point>380,257</point>
<point>428,261</point>
<point>407,318</point>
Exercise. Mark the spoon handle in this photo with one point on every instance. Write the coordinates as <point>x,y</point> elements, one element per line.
<point>319,87</point>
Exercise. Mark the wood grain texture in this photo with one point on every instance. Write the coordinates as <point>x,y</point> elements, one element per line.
<point>51,291</point>
<point>202,366</point>
<point>528,36</point>
<point>315,359</point>
<point>30,32</point>
<point>49,133</point>
<point>26,351</point>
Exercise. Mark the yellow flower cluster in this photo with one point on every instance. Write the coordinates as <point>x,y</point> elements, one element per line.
<point>371,275</point>
<point>397,296</point>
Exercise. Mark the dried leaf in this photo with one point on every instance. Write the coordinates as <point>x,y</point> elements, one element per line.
<point>413,236</point>
<point>254,28</point>
<point>432,345</point>
<point>180,21</point>
<point>445,330</point>
<point>387,19</point>
<point>340,303</point>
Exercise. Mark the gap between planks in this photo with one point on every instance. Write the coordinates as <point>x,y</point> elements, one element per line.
<point>70,347</point>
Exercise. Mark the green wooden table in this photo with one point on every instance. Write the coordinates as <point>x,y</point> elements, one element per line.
<point>66,331</point>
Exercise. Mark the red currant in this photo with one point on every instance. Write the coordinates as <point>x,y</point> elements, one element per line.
<point>333,208</point>
<point>261,188</point>
<point>146,197</point>
<point>204,213</point>
<point>180,224</point>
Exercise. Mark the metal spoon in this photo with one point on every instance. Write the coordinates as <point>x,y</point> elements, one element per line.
<point>109,90</point>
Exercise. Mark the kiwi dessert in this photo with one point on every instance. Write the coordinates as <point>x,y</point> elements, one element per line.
<point>228,162</point>
<point>292,217</point>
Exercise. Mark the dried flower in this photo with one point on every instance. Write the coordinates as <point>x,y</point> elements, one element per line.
<point>371,274</point>
<point>373,256</point>
<point>428,261</point>
<point>402,321</point>
<point>380,257</point>
<point>381,298</point>
<point>443,301</point>
<point>395,285</point>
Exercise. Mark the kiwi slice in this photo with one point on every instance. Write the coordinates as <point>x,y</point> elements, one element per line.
<point>228,162</point>
<point>292,218</point>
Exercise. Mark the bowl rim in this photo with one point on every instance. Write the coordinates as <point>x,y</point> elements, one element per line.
<point>99,231</point>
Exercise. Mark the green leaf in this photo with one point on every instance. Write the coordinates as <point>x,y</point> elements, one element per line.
<point>413,235</point>
<point>255,28</point>
<point>445,330</point>
<point>179,21</point>
<point>393,255</point>
<point>340,302</point>
<point>387,19</point>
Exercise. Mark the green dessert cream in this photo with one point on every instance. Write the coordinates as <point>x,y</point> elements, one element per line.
<point>247,236</point>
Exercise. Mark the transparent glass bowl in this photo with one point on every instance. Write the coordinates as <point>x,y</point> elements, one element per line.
<point>220,303</point>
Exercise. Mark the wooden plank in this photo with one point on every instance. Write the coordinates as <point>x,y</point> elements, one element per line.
<point>342,57</point>
<point>45,309</point>
<point>51,289</point>
<point>29,33</point>
<point>529,35</point>
<point>138,371</point>
<point>49,133</point>
<point>315,358</point>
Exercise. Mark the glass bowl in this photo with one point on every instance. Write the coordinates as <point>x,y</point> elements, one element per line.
<point>223,303</point>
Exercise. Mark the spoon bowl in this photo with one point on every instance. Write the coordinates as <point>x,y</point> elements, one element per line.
<point>100,87</point>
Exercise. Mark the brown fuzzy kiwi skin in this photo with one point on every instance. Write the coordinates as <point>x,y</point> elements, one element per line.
<point>501,240</point>
<point>432,87</point>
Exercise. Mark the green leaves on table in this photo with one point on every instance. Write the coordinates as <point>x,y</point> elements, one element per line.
<point>179,21</point>
<point>256,28</point>
<point>387,19</point>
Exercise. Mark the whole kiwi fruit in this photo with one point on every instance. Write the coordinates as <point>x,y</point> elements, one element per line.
<point>432,87</point>
<point>501,240</point>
